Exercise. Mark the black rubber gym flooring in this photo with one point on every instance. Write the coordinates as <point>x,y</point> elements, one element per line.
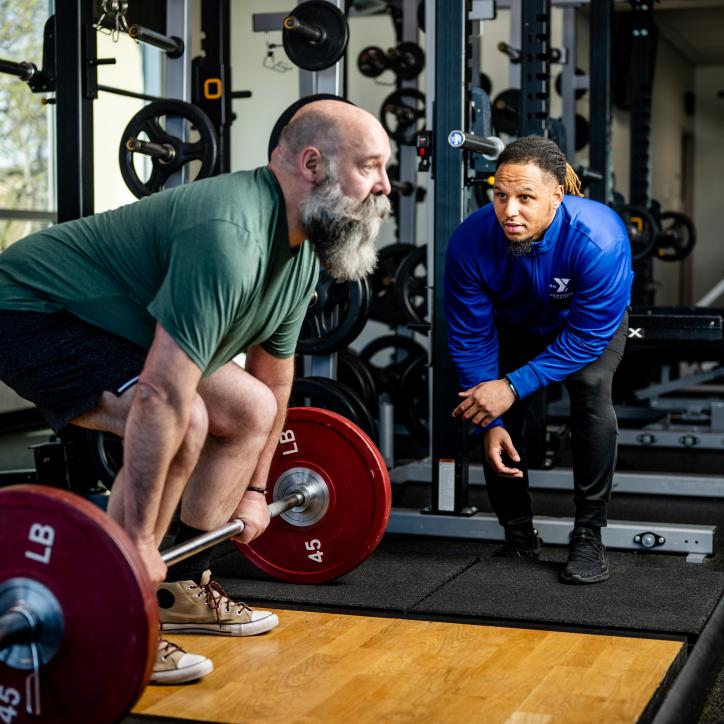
<point>460,580</point>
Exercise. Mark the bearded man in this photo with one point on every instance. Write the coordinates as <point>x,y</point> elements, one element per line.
<point>537,289</point>
<point>128,322</point>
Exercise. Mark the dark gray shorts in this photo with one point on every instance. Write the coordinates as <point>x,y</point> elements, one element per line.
<point>63,364</point>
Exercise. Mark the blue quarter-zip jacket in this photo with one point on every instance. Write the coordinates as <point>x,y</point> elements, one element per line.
<point>576,282</point>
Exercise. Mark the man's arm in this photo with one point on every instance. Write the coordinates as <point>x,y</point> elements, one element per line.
<point>601,294</point>
<point>157,422</point>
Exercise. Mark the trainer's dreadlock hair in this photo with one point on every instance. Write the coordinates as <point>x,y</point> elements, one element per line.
<point>547,156</point>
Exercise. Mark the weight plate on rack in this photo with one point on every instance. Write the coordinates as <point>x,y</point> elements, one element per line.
<point>336,315</point>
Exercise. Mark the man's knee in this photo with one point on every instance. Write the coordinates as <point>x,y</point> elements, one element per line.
<point>591,382</point>
<point>196,431</point>
<point>251,414</point>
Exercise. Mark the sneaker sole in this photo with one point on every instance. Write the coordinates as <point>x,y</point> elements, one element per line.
<point>582,581</point>
<point>183,676</point>
<point>234,629</point>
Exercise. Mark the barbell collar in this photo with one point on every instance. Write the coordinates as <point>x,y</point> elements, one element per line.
<point>313,33</point>
<point>489,147</point>
<point>235,527</point>
<point>172,45</point>
<point>164,152</point>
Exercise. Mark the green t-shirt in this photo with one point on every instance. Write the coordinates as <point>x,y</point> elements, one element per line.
<point>210,261</point>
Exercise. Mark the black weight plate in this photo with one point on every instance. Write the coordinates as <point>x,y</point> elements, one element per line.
<point>382,305</point>
<point>148,121</point>
<point>407,60</point>
<point>387,358</point>
<point>335,396</point>
<point>336,315</point>
<point>372,61</point>
<point>414,400</point>
<point>642,230</point>
<point>317,55</point>
<point>403,115</point>
<point>410,287</point>
<point>354,373</point>
<point>677,237</point>
<point>505,112</point>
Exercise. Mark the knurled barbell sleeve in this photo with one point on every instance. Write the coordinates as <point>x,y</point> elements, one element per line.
<point>491,146</point>
<point>171,45</point>
<point>312,33</point>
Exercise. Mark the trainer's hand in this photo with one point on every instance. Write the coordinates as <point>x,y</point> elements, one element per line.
<point>151,557</point>
<point>498,442</point>
<point>254,512</point>
<point>485,402</point>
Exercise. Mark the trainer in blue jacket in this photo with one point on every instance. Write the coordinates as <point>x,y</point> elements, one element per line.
<point>537,287</point>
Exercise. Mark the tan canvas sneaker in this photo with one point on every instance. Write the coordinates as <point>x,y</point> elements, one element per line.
<point>185,607</point>
<point>176,666</point>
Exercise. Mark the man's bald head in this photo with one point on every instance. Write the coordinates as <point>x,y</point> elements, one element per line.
<point>331,126</point>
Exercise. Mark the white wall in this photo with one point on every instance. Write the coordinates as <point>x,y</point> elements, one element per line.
<point>708,256</point>
<point>111,114</point>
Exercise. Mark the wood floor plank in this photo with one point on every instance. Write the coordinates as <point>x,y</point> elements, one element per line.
<point>317,668</point>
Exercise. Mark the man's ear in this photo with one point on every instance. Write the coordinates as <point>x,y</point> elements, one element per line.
<point>558,196</point>
<point>311,165</point>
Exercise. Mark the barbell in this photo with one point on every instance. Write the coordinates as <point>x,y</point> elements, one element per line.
<point>75,598</point>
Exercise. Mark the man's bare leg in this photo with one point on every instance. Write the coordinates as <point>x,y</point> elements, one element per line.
<point>241,415</point>
<point>110,416</point>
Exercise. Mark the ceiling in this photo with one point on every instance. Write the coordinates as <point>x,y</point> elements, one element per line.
<point>694,27</point>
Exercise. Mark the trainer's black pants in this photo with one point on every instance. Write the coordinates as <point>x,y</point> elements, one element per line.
<point>593,425</point>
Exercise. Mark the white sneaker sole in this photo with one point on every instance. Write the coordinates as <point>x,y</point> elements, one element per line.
<point>183,676</point>
<point>252,628</point>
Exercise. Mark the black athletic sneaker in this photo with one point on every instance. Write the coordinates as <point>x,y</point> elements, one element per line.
<point>520,544</point>
<point>586,558</point>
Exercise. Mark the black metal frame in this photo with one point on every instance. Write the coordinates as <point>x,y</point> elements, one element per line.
<point>215,64</point>
<point>449,112</point>
<point>75,54</point>
<point>535,67</point>
<point>600,96</point>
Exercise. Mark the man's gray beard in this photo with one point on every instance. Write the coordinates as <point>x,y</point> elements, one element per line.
<point>342,230</point>
<point>520,248</point>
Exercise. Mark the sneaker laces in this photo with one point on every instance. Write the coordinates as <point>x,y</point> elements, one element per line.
<point>216,597</point>
<point>585,547</point>
<point>166,648</point>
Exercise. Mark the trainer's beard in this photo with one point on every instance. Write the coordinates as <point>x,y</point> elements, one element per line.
<point>520,248</point>
<point>342,230</point>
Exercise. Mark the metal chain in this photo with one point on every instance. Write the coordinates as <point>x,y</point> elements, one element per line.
<point>117,8</point>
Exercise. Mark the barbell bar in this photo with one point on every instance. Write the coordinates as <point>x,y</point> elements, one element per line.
<point>75,594</point>
<point>235,527</point>
<point>489,147</point>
